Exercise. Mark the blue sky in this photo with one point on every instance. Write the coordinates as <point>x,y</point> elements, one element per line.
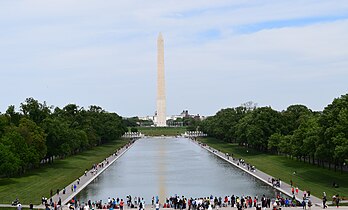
<point>218,54</point>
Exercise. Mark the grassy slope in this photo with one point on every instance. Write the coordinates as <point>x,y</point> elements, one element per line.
<point>308,177</point>
<point>159,131</point>
<point>39,182</point>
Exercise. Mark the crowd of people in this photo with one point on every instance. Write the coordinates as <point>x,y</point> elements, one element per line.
<point>275,182</point>
<point>182,202</point>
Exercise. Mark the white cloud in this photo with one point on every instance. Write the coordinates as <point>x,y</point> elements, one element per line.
<point>93,52</point>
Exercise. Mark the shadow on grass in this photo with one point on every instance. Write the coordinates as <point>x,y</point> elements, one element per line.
<point>326,179</point>
<point>81,157</point>
<point>7,181</point>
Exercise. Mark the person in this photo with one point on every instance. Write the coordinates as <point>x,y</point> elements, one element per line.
<point>19,206</point>
<point>157,206</point>
<point>121,204</point>
<point>287,202</point>
<point>303,204</point>
<point>31,206</point>
<point>140,206</point>
<point>337,200</point>
<point>275,205</point>
<point>309,204</point>
<point>324,201</point>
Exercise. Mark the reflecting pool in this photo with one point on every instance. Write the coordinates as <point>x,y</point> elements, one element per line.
<point>169,166</point>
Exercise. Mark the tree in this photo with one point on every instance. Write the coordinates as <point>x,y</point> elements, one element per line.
<point>36,111</point>
<point>35,133</point>
<point>334,133</point>
<point>9,162</point>
<point>274,142</point>
<point>130,122</point>
<point>3,124</point>
<point>12,116</point>
<point>311,134</point>
<point>35,138</point>
<point>56,131</point>
<point>257,126</point>
<point>293,117</point>
<point>224,124</point>
<point>18,146</point>
<point>133,129</point>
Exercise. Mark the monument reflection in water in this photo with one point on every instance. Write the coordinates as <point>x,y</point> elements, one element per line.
<point>169,166</point>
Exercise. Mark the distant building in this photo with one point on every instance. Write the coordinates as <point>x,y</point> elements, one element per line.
<point>183,114</point>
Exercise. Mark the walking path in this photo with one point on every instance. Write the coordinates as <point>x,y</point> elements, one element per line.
<point>87,178</point>
<point>284,187</point>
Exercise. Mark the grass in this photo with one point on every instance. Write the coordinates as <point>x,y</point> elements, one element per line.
<point>159,131</point>
<point>38,182</point>
<point>340,204</point>
<point>308,177</point>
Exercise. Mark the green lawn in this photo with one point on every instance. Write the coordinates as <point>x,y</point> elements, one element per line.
<point>308,177</point>
<point>32,186</point>
<point>159,131</point>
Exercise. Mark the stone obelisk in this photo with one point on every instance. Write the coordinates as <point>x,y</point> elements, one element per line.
<point>161,91</point>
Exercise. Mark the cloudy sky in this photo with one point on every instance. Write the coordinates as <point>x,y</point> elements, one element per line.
<point>218,53</point>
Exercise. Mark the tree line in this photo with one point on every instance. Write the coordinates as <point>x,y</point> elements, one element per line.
<point>298,132</point>
<point>37,133</point>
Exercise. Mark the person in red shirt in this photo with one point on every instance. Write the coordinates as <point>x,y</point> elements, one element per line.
<point>121,204</point>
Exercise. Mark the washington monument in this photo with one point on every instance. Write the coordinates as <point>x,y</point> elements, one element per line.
<point>161,91</point>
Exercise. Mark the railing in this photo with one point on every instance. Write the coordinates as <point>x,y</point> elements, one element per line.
<point>133,135</point>
<point>194,134</point>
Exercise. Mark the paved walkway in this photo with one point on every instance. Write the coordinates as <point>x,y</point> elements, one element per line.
<point>87,178</point>
<point>284,187</point>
